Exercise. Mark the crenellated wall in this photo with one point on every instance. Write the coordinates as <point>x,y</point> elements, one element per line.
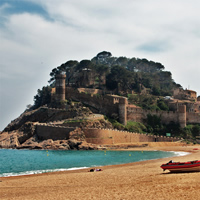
<point>98,136</point>
<point>109,136</point>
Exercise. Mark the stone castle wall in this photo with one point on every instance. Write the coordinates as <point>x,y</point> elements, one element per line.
<point>118,106</point>
<point>109,136</point>
<point>139,115</point>
<point>104,104</point>
<point>193,118</point>
<point>98,136</point>
<point>45,132</point>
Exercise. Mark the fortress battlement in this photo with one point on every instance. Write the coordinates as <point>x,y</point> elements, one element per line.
<point>119,106</point>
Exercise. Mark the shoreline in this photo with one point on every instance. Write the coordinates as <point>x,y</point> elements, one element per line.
<point>46,171</point>
<point>138,180</point>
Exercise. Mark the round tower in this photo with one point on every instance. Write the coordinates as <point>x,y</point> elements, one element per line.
<point>60,87</point>
<point>182,115</point>
<point>123,110</point>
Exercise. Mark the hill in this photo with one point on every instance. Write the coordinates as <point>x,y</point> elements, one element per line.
<point>130,92</point>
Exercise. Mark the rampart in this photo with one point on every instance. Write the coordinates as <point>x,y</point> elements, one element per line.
<point>45,132</point>
<point>110,136</point>
<point>193,118</point>
<point>139,115</point>
<point>98,136</point>
<point>104,104</point>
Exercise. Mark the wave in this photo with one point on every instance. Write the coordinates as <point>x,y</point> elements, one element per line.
<point>39,171</point>
<point>180,153</point>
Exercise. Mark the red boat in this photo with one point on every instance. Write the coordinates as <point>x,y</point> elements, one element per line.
<point>190,166</point>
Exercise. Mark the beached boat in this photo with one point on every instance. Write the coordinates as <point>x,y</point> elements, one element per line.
<point>190,166</point>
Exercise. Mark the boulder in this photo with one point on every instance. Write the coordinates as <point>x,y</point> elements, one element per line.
<point>74,143</point>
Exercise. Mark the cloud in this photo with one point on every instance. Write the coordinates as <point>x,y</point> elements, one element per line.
<point>34,41</point>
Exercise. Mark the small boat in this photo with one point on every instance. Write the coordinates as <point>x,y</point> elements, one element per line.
<point>190,166</point>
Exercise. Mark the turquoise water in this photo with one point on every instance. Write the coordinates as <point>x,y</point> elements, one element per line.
<point>20,162</point>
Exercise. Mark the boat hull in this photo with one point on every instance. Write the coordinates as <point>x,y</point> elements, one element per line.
<point>189,169</point>
<point>192,166</point>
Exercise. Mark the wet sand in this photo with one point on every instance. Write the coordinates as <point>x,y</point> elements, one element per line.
<point>142,180</point>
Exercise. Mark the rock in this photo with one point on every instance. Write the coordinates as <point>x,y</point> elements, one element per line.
<point>77,134</point>
<point>66,146</point>
<point>47,144</point>
<point>102,123</point>
<point>87,146</point>
<point>9,140</point>
<point>74,143</point>
<point>25,132</point>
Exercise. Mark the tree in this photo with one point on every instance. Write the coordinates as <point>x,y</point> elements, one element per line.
<point>119,78</point>
<point>85,65</point>
<point>122,61</point>
<point>69,68</point>
<point>196,131</point>
<point>132,64</point>
<point>101,71</point>
<point>53,74</point>
<point>102,58</point>
<point>162,105</point>
<point>103,54</point>
<point>154,122</point>
<point>43,97</point>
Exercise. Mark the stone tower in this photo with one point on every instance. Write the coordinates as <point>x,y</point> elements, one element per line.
<point>123,110</point>
<point>60,87</point>
<point>182,115</point>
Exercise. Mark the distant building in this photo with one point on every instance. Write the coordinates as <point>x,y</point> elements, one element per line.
<point>185,94</point>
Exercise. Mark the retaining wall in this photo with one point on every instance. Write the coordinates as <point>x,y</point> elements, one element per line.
<point>45,132</point>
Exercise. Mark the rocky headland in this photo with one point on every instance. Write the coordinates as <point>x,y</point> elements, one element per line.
<point>21,132</point>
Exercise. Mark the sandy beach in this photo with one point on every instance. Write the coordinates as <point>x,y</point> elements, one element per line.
<point>141,180</point>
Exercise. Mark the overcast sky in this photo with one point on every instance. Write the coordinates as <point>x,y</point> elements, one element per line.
<point>39,35</point>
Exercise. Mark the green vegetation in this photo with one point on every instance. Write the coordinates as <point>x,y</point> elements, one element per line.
<point>191,132</point>
<point>148,102</point>
<point>116,124</point>
<point>119,75</point>
<point>43,97</point>
<point>135,127</point>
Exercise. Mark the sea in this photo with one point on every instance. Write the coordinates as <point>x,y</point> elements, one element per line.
<point>15,162</point>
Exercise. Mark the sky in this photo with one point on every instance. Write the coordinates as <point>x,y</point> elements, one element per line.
<point>39,35</point>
